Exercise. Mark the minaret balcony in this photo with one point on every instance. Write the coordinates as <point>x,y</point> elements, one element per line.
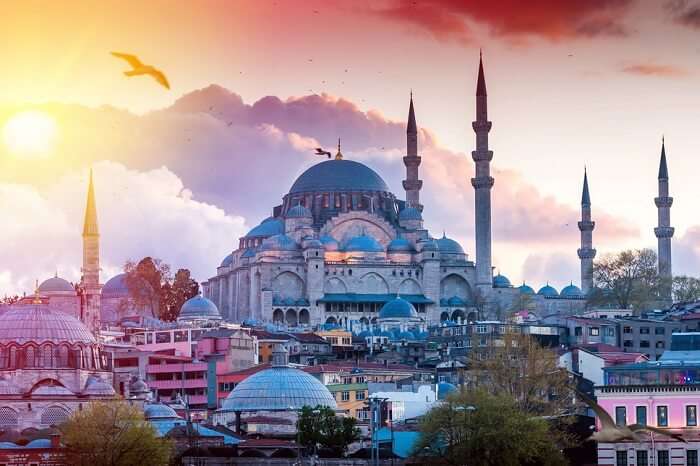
<point>411,160</point>
<point>586,225</point>
<point>663,201</point>
<point>482,182</point>
<point>410,185</point>
<point>482,155</point>
<point>586,253</point>
<point>664,232</point>
<point>481,125</point>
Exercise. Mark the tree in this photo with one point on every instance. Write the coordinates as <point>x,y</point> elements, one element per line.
<point>686,289</point>
<point>112,434</point>
<point>144,281</point>
<point>627,280</point>
<point>319,427</point>
<point>174,296</point>
<point>476,427</point>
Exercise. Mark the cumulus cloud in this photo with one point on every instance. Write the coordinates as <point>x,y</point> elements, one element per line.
<point>655,69</point>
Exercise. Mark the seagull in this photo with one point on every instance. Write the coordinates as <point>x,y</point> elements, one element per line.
<point>320,151</point>
<point>612,433</point>
<point>139,68</point>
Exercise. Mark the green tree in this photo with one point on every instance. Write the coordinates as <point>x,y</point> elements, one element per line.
<point>478,428</point>
<point>320,428</point>
<point>686,289</point>
<point>112,434</point>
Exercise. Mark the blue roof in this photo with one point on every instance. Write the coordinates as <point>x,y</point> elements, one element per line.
<point>456,301</point>
<point>372,298</point>
<point>228,260</point>
<point>363,243</point>
<point>404,440</point>
<point>501,281</point>
<point>339,175</point>
<point>526,289</point>
<point>279,242</point>
<point>39,443</point>
<point>162,428</point>
<point>444,389</point>
<point>298,211</point>
<point>153,411</point>
<point>410,213</point>
<point>199,307</point>
<point>449,246</point>
<point>268,227</point>
<point>548,290</point>
<point>571,291</point>
<point>398,308</point>
<point>116,285</point>
<point>329,243</point>
<point>250,252</point>
<point>429,245</point>
<point>400,245</point>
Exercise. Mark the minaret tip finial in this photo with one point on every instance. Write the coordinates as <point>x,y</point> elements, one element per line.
<point>339,155</point>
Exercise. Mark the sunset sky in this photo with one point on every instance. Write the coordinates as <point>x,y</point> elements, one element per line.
<point>181,174</point>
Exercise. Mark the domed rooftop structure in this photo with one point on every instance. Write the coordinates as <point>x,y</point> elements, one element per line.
<point>363,243</point>
<point>56,285</point>
<point>428,244</point>
<point>548,291</point>
<point>298,211</point>
<point>279,388</point>
<point>526,289</point>
<point>400,245</point>
<point>159,412</point>
<point>501,281</point>
<point>456,301</point>
<point>449,246</point>
<point>398,308</point>
<point>199,308</point>
<point>571,291</point>
<point>228,260</point>
<point>41,324</point>
<point>410,213</point>
<point>268,227</point>
<point>98,387</point>
<point>444,389</point>
<point>338,175</point>
<point>250,252</point>
<point>116,286</point>
<point>329,243</point>
<point>279,242</point>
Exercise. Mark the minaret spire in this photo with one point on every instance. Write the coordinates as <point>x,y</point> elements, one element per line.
<point>412,184</point>
<point>482,183</point>
<point>90,224</point>
<point>664,231</point>
<point>586,253</point>
<point>90,282</point>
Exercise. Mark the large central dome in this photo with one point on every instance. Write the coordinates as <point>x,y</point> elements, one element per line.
<point>339,175</point>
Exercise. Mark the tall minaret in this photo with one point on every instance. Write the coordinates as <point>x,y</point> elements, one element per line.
<point>586,252</point>
<point>90,282</point>
<point>412,184</point>
<point>664,232</point>
<point>482,182</point>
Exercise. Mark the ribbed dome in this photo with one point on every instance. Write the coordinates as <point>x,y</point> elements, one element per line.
<point>449,246</point>
<point>571,291</point>
<point>269,227</point>
<point>398,308</point>
<point>339,175</point>
<point>363,243</point>
<point>159,411</point>
<point>198,308</point>
<point>278,389</point>
<point>400,245</point>
<point>548,290</point>
<point>116,286</point>
<point>329,243</point>
<point>526,289</point>
<point>56,285</point>
<point>298,211</point>
<point>501,281</point>
<point>41,324</point>
<point>410,213</point>
<point>279,242</point>
<point>228,260</point>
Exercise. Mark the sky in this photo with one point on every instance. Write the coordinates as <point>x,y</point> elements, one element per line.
<point>182,173</point>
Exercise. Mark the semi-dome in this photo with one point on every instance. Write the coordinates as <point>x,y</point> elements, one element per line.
<point>410,213</point>
<point>400,245</point>
<point>56,285</point>
<point>298,211</point>
<point>444,389</point>
<point>268,227</point>
<point>250,252</point>
<point>199,308</point>
<point>449,246</point>
<point>329,243</point>
<point>398,308</point>
<point>279,242</point>
<point>116,286</point>
<point>98,387</point>
<point>159,411</point>
<point>501,281</point>
<point>228,260</point>
<point>571,291</point>
<point>363,243</point>
<point>40,324</point>
<point>338,175</point>
<point>456,301</point>
<point>548,290</point>
<point>526,289</point>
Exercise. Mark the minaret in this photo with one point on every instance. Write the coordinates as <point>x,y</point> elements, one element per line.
<point>586,252</point>
<point>412,184</point>
<point>664,232</point>
<point>482,182</point>
<point>90,282</point>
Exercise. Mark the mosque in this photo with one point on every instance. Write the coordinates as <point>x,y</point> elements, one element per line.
<point>341,245</point>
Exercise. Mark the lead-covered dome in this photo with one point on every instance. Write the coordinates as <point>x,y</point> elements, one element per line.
<point>571,291</point>
<point>398,308</point>
<point>363,243</point>
<point>56,285</point>
<point>268,227</point>
<point>548,291</point>
<point>338,175</point>
<point>449,246</point>
<point>279,242</point>
<point>228,260</point>
<point>39,324</point>
<point>116,286</point>
<point>329,243</point>
<point>199,308</point>
<point>526,289</point>
<point>501,281</point>
<point>400,245</point>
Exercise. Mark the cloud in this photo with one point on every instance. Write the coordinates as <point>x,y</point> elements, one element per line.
<point>686,252</point>
<point>542,268</point>
<point>685,13</point>
<point>553,20</point>
<point>655,69</point>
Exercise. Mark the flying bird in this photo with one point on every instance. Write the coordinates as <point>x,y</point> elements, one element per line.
<point>612,433</point>
<point>139,69</point>
<point>320,151</point>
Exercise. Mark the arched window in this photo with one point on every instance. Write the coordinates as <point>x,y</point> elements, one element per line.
<point>54,416</point>
<point>8,417</point>
<point>63,356</point>
<point>46,353</point>
<point>3,358</point>
<point>13,357</point>
<point>29,357</point>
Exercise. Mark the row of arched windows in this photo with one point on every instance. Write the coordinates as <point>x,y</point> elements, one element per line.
<point>51,416</point>
<point>49,355</point>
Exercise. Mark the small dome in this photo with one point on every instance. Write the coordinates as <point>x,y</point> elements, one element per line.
<point>428,244</point>
<point>363,243</point>
<point>398,308</point>
<point>312,243</point>
<point>329,243</point>
<point>449,246</point>
<point>159,411</point>
<point>501,281</point>
<point>39,443</point>
<point>400,245</point>
<point>407,335</point>
<point>456,301</point>
<point>571,291</point>
<point>444,389</point>
<point>548,290</point>
<point>250,252</point>
<point>279,242</point>
<point>299,211</point>
<point>56,285</point>
<point>228,260</point>
<point>198,308</point>
<point>526,289</point>
<point>116,286</point>
<point>95,386</point>
<point>269,227</point>
<point>338,175</point>
<point>410,213</point>
<point>138,386</point>
<point>40,324</point>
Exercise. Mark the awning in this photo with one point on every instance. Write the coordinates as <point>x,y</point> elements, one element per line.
<point>372,298</point>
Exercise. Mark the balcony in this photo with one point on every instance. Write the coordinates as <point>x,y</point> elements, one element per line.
<point>648,388</point>
<point>177,384</point>
<point>176,368</point>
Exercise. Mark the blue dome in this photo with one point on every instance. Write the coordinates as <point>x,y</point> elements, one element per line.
<point>198,308</point>
<point>526,289</point>
<point>298,211</point>
<point>449,246</point>
<point>363,243</point>
<point>400,245</point>
<point>571,291</point>
<point>269,227</point>
<point>228,260</point>
<point>398,308</point>
<point>429,245</point>
<point>250,252</point>
<point>443,302</point>
<point>548,290</point>
<point>329,243</point>
<point>338,175</point>
<point>408,336</point>
<point>501,281</point>
<point>444,389</point>
<point>159,411</point>
<point>278,389</point>
<point>456,301</point>
<point>279,242</point>
<point>116,286</point>
<point>56,285</point>
<point>410,213</point>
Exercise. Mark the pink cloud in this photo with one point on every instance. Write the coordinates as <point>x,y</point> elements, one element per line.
<point>655,69</point>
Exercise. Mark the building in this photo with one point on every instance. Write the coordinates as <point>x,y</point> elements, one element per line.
<point>649,336</point>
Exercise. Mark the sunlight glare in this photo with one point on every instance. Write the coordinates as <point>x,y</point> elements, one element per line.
<point>30,133</point>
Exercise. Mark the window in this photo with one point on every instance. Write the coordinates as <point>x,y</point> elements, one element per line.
<point>626,329</point>
<point>610,331</point>
<point>360,395</point>
<point>644,343</point>
<point>691,415</point>
<point>642,458</point>
<point>691,458</point>
<point>620,415</point>
<point>660,331</point>
<point>594,331</point>
<point>641,412</point>
<point>345,396</point>
<point>660,344</point>
<point>627,343</point>
<point>621,457</point>
<point>662,458</point>
<point>578,331</point>
<point>180,335</point>
<point>163,337</point>
<point>662,416</point>
<point>481,329</point>
<point>644,330</point>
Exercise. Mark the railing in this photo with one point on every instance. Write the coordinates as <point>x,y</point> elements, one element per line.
<point>647,388</point>
<point>187,383</point>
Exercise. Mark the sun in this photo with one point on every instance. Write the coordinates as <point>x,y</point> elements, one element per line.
<point>30,133</point>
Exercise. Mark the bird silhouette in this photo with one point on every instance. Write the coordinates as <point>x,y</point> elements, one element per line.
<point>139,69</point>
<point>612,433</point>
<point>320,151</point>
